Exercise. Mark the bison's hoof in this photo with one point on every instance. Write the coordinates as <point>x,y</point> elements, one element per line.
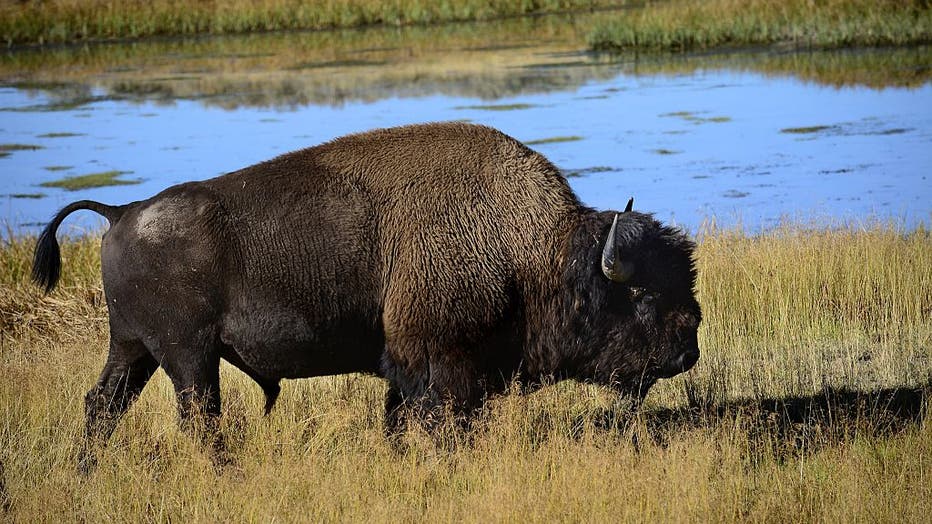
<point>87,463</point>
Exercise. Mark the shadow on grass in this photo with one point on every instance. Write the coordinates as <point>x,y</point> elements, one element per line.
<point>791,426</point>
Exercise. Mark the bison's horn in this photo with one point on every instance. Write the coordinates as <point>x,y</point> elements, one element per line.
<point>614,268</point>
<point>630,205</point>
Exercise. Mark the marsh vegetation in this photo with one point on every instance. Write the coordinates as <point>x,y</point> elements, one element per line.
<point>57,21</point>
<point>682,25</point>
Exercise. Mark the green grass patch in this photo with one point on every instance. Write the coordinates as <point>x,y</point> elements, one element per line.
<point>60,135</point>
<point>575,173</point>
<point>498,107</point>
<point>664,151</point>
<point>7,148</point>
<point>57,168</point>
<point>104,179</point>
<point>806,130</point>
<point>681,25</point>
<point>690,116</point>
<point>28,195</point>
<point>894,131</point>
<point>553,140</point>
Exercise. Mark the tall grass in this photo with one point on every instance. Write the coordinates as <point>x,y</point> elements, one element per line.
<point>55,21</point>
<point>810,403</point>
<point>691,24</point>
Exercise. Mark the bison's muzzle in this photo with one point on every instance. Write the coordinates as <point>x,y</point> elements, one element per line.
<point>681,364</point>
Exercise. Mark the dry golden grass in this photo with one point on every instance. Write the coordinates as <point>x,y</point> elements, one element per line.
<point>810,403</point>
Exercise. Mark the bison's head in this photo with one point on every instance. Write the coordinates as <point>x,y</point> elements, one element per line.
<point>634,308</point>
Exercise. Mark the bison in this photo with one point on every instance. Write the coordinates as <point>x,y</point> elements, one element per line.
<point>447,258</point>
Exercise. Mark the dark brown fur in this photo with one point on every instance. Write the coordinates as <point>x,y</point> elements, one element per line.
<point>448,258</point>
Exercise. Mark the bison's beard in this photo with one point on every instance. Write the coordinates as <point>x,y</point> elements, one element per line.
<point>635,389</point>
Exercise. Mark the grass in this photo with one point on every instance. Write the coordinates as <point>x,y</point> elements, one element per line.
<point>806,130</point>
<point>690,116</point>
<point>497,107</point>
<point>553,140</point>
<point>92,180</point>
<point>810,403</point>
<point>57,21</point>
<point>573,173</point>
<point>682,25</point>
<point>676,25</point>
<point>35,196</point>
<point>7,148</point>
<point>59,135</point>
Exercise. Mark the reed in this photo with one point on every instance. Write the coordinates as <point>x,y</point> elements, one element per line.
<point>810,403</point>
<point>57,21</point>
<point>681,25</point>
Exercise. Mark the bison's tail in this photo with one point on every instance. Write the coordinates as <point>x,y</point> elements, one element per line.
<point>46,262</point>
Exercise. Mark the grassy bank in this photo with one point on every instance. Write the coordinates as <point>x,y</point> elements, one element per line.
<point>689,24</point>
<point>56,21</point>
<point>675,24</point>
<point>810,403</point>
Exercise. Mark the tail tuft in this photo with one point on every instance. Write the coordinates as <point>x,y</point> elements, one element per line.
<point>46,261</point>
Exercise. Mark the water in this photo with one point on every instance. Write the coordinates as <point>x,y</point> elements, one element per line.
<point>720,141</point>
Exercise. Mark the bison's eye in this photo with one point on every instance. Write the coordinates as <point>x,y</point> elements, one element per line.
<point>638,294</point>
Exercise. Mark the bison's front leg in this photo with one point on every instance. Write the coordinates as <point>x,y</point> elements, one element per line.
<point>445,387</point>
<point>129,366</point>
<point>395,410</point>
<point>454,386</point>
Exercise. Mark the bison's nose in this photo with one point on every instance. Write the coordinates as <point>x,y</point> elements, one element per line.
<point>688,359</point>
<point>682,363</point>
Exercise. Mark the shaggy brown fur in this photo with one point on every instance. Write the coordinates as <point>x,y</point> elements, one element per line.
<point>448,258</point>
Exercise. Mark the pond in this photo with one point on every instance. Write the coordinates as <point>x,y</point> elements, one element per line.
<point>743,139</point>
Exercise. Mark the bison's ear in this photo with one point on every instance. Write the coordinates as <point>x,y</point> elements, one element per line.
<point>614,268</point>
<point>630,205</point>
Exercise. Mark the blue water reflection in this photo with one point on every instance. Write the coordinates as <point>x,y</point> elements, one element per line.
<point>688,147</point>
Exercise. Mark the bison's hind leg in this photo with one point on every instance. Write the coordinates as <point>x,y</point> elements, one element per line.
<point>194,369</point>
<point>270,387</point>
<point>271,391</point>
<point>129,366</point>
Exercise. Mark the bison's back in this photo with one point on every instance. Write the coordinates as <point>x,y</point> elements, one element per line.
<point>423,184</point>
